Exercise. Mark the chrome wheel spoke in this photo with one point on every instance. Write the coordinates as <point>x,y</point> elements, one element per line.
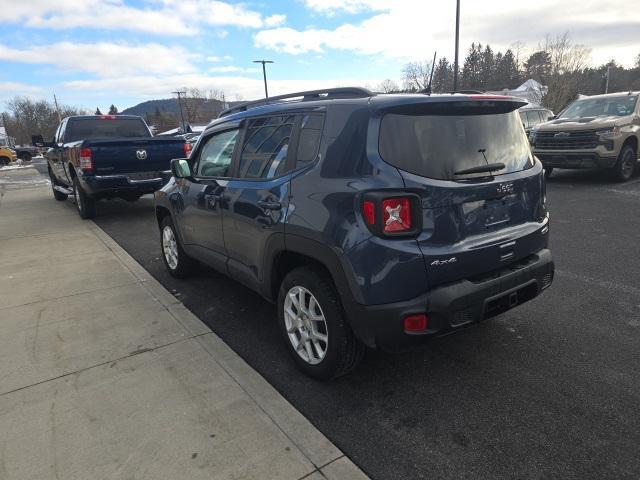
<point>320,336</point>
<point>305,325</point>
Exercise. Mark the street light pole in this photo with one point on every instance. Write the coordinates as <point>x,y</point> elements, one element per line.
<point>455,63</point>
<point>264,75</point>
<point>180,105</point>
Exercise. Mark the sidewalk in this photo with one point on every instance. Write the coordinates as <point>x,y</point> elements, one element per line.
<point>105,375</point>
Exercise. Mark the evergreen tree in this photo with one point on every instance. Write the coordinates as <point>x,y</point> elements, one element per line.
<point>538,66</point>
<point>507,73</point>
<point>443,76</point>
<point>113,110</point>
<point>472,68</point>
<point>487,68</point>
<point>98,112</point>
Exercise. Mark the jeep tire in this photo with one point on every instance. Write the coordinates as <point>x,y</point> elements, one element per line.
<point>175,259</point>
<point>313,325</point>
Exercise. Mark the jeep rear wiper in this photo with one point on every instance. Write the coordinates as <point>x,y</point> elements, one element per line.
<point>490,167</point>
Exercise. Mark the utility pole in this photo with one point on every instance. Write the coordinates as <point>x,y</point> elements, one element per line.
<point>608,74</point>
<point>264,75</point>
<point>184,129</point>
<point>55,101</point>
<point>455,63</point>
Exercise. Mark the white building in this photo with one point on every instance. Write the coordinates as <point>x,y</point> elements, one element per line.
<point>531,91</point>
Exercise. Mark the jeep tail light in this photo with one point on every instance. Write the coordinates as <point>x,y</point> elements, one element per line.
<point>416,323</point>
<point>86,160</point>
<point>369,212</point>
<point>186,148</point>
<point>396,215</point>
<point>107,117</point>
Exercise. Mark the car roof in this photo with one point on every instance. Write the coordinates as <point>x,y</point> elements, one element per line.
<point>376,101</point>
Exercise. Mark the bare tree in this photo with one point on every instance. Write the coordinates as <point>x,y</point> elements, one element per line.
<point>567,61</point>
<point>415,75</point>
<point>388,86</point>
<point>27,117</point>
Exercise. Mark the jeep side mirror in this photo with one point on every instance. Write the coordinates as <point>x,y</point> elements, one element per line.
<point>180,168</point>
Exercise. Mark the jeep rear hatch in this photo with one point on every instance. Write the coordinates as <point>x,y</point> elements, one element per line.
<point>481,192</point>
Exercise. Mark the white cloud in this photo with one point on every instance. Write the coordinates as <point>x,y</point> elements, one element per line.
<point>11,89</point>
<point>233,69</point>
<point>163,17</point>
<point>275,20</point>
<point>413,29</point>
<point>104,59</point>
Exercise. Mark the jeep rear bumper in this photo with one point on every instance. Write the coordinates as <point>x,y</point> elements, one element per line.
<point>453,306</point>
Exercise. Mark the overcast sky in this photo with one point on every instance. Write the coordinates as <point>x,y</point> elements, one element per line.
<point>97,52</point>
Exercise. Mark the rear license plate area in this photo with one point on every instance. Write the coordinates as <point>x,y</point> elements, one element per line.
<point>509,300</point>
<point>496,213</point>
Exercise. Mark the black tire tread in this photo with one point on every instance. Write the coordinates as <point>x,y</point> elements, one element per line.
<point>617,169</point>
<point>350,350</point>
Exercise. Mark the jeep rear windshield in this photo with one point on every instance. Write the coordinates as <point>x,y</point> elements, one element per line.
<point>438,145</point>
<point>98,129</point>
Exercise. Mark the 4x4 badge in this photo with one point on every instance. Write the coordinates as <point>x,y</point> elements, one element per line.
<point>437,263</point>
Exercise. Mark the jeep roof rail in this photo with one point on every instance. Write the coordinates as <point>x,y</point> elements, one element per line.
<point>327,93</point>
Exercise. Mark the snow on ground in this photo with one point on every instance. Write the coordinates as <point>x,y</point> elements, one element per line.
<point>14,166</point>
<point>21,176</point>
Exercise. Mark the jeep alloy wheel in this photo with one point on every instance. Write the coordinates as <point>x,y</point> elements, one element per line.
<point>306,326</point>
<point>169,247</point>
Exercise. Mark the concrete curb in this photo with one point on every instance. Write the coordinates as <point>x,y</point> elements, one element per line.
<point>329,461</point>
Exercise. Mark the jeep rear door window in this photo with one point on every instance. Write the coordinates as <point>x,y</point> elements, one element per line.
<point>265,148</point>
<point>601,107</point>
<point>437,146</point>
<point>98,128</point>
<point>309,140</point>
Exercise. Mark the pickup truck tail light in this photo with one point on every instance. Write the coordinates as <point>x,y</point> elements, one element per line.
<point>86,160</point>
<point>389,214</point>
<point>186,148</point>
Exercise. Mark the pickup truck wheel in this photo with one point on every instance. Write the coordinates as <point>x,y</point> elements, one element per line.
<point>626,164</point>
<point>59,196</point>
<point>314,326</point>
<point>86,205</point>
<point>178,263</point>
<point>4,161</point>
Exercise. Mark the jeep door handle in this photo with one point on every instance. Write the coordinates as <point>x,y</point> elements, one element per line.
<point>267,205</point>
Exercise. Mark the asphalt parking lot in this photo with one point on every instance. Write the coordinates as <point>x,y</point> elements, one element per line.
<point>549,390</point>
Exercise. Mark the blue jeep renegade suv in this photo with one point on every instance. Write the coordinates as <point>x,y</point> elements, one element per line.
<point>371,220</point>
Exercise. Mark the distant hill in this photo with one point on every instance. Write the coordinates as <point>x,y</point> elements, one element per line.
<point>201,108</point>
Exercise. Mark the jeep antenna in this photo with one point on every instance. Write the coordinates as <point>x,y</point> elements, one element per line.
<point>433,66</point>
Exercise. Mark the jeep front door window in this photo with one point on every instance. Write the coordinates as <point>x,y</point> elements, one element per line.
<point>216,154</point>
